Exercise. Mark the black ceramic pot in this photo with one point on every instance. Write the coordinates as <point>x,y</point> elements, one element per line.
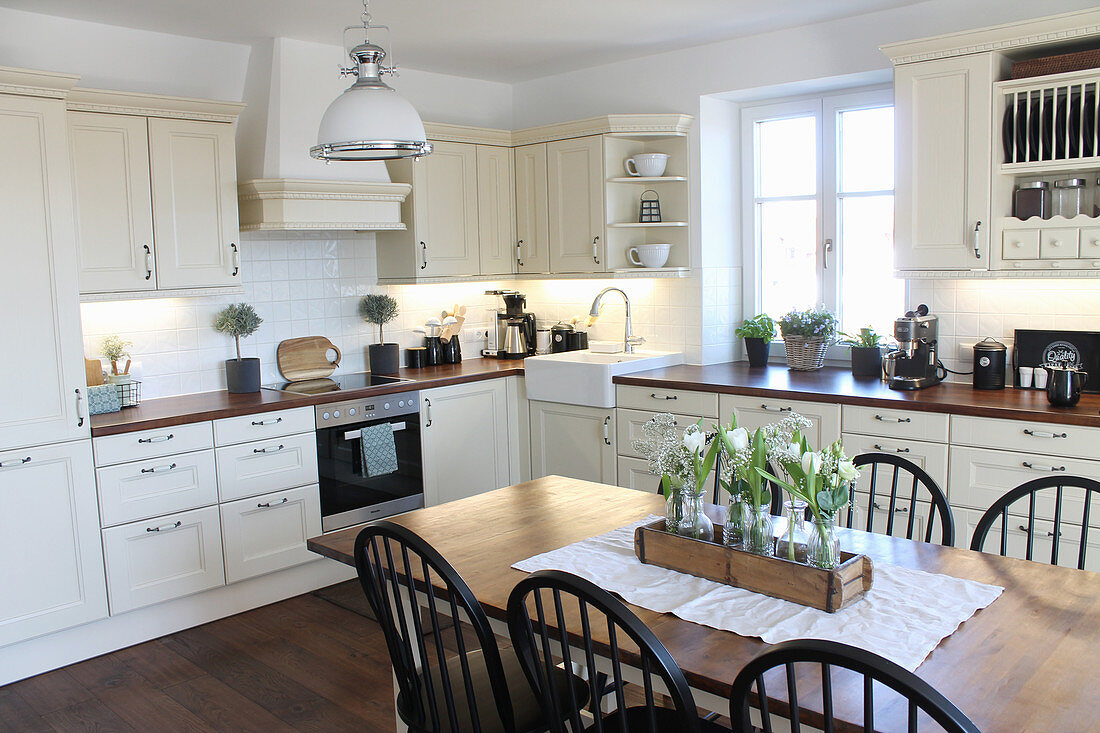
<point>867,361</point>
<point>757,350</point>
<point>242,375</point>
<point>384,358</point>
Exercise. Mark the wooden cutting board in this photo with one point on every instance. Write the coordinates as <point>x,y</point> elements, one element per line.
<point>306,358</point>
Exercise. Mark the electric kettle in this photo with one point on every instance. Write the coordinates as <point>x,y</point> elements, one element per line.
<point>515,339</point>
<point>1064,385</point>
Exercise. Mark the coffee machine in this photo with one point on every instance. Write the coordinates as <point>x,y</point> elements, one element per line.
<point>512,330</point>
<point>916,364</point>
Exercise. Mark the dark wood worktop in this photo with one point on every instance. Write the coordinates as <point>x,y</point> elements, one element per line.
<point>166,411</point>
<point>837,385</point>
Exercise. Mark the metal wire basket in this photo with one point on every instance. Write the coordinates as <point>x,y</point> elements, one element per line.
<point>129,393</point>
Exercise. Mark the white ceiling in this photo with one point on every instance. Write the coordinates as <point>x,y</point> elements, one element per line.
<point>502,40</point>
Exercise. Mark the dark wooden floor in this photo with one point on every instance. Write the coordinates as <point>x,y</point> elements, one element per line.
<point>301,664</point>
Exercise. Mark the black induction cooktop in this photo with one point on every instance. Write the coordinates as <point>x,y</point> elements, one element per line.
<point>336,383</point>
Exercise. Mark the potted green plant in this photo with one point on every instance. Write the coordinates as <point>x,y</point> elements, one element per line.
<point>240,320</point>
<point>380,310</point>
<point>758,332</point>
<point>114,349</point>
<point>866,349</point>
<point>807,335</point>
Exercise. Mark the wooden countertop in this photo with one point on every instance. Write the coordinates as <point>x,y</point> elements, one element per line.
<point>167,411</point>
<point>837,385</point>
<point>1019,664</point>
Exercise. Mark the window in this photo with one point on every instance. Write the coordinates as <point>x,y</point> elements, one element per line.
<point>819,208</point>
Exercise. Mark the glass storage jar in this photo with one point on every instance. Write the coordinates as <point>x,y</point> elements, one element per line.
<point>1032,198</point>
<point>1069,197</point>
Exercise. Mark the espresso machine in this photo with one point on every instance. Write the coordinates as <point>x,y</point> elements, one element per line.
<point>916,364</point>
<point>512,334</point>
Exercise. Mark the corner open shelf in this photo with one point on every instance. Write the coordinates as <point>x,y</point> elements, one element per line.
<point>647,224</point>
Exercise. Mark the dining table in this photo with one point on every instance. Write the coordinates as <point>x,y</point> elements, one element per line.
<point>1022,663</point>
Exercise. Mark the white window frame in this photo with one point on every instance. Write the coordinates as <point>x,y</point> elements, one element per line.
<point>825,109</point>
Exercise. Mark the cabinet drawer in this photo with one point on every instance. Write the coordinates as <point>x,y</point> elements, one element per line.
<point>1058,244</point>
<point>755,412</point>
<point>268,533</point>
<point>247,428</point>
<point>143,489</point>
<point>656,399</point>
<point>1020,244</point>
<point>629,428</point>
<point>1090,243</point>
<point>980,476</point>
<point>634,474</point>
<point>932,457</point>
<point>268,465</point>
<point>890,423</point>
<point>164,558</point>
<point>112,449</point>
<point>1024,435</point>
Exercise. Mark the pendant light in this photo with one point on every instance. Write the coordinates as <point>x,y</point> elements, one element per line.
<point>369,121</point>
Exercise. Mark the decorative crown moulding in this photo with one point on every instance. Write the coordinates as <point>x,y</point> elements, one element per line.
<point>1053,29</point>
<point>82,99</point>
<point>640,124</point>
<point>286,204</point>
<point>32,83</point>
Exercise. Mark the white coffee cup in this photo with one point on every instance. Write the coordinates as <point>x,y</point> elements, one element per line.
<point>1040,378</point>
<point>649,255</point>
<point>647,164</point>
<point>1026,375</point>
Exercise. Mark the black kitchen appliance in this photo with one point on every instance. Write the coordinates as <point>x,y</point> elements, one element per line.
<point>1064,385</point>
<point>348,495</point>
<point>990,356</point>
<point>335,383</point>
<point>1077,349</point>
<point>512,315</point>
<point>915,365</point>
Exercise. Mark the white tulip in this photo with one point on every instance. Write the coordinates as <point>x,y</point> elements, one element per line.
<point>811,463</point>
<point>847,470</point>
<point>695,441</point>
<point>739,439</point>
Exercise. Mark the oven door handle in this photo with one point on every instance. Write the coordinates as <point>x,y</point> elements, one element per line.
<point>354,434</point>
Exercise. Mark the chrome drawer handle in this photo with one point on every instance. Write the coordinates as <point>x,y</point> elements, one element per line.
<point>880,418</point>
<point>165,528</point>
<point>268,450</point>
<point>15,462</point>
<point>1037,467</point>
<point>776,409</point>
<point>154,469</point>
<point>1041,434</point>
<point>881,449</point>
<point>156,439</point>
<point>897,510</point>
<point>1024,528</point>
<point>276,421</point>
<point>269,504</point>
<point>655,396</point>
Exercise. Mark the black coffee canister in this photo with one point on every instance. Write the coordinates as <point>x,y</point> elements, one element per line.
<point>416,357</point>
<point>990,356</point>
<point>559,333</point>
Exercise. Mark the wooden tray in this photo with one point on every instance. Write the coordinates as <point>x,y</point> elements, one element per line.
<point>306,358</point>
<point>827,590</point>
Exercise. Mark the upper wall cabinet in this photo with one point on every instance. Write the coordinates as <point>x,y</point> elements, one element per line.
<point>942,119</point>
<point>155,192</point>
<point>496,210</point>
<point>532,225</point>
<point>576,206</point>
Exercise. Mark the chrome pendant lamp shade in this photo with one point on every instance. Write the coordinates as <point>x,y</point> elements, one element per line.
<point>370,121</point>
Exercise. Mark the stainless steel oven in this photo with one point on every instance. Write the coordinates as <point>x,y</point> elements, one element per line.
<point>348,495</point>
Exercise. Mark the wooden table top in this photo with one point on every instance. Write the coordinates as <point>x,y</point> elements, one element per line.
<point>1020,664</point>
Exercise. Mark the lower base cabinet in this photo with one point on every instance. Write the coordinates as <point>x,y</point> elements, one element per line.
<point>633,473</point>
<point>573,441</point>
<point>51,575</point>
<point>156,560</point>
<point>268,533</point>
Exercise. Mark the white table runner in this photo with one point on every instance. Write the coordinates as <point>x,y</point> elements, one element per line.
<point>903,617</point>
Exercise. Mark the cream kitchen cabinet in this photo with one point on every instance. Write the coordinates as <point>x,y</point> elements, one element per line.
<point>51,560</point>
<point>113,202</point>
<point>575,194</point>
<point>267,533</point>
<point>531,208</point>
<point>440,216</point>
<point>573,441</point>
<point>633,473</point>
<point>754,412</point>
<point>42,381</point>
<point>942,113</point>
<point>464,440</point>
<point>496,221</point>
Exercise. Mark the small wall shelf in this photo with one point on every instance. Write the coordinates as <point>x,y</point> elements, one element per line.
<point>651,271</point>
<point>647,224</point>
<point>648,179</point>
<point>1081,220</point>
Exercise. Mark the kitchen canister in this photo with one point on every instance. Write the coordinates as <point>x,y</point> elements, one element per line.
<point>990,357</point>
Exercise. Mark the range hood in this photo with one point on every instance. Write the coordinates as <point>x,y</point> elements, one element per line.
<point>294,204</point>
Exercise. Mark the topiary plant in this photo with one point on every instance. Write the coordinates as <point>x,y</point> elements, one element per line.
<point>239,320</point>
<point>379,310</point>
